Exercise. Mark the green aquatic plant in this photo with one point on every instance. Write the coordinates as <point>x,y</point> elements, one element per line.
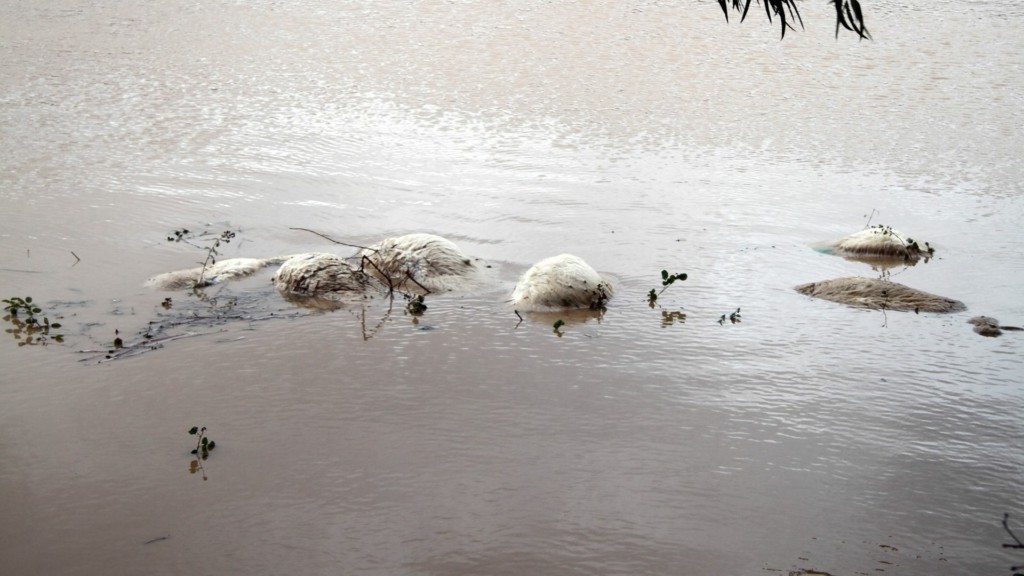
<point>733,318</point>
<point>557,325</point>
<point>185,236</point>
<point>211,254</point>
<point>415,306</point>
<point>909,244</point>
<point>666,281</point>
<point>203,443</point>
<point>26,321</point>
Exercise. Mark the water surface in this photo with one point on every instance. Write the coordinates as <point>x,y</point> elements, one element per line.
<point>641,136</point>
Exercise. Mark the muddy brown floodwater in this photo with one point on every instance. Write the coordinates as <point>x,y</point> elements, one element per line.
<point>640,136</point>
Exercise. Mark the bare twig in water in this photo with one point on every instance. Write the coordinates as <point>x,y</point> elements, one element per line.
<point>383,320</point>
<point>326,237</point>
<point>136,348</point>
<point>387,277</point>
<point>870,216</point>
<point>152,342</point>
<point>1017,543</point>
<point>1006,526</point>
<point>77,259</point>
<point>409,276</point>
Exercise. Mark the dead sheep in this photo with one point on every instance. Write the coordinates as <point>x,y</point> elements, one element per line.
<point>880,243</point>
<point>561,282</point>
<point>321,275</point>
<point>421,263</point>
<point>988,326</point>
<point>222,271</point>
<point>879,295</point>
<point>412,261</point>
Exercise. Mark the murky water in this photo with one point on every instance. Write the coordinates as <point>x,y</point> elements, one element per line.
<point>639,135</point>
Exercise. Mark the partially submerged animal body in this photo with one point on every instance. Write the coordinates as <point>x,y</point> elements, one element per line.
<point>561,282</point>
<point>414,263</point>
<point>221,271</point>
<point>880,244</point>
<point>418,263</point>
<point>322,275</point>
<point>988,326</point>
<point>879,295</point>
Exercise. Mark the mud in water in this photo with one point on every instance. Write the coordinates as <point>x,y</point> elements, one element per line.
<point>802,436</point>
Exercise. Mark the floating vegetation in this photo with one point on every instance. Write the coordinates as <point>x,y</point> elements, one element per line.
<point>734,318</point>
<point>666,281</point>
<point>184,235</point>
<point>415,306</point>
<point>28,326</point>
<point>203,442</point>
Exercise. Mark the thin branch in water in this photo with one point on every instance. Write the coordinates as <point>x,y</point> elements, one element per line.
<point>135,349</point>
<point>362,321</point>
<point>387,277</point>
<point>870,216</point>
<point>77,259</point>
<point>409,276</point>
<point>885,304</point>
<point>328,238</point>
<point>1006,526</point>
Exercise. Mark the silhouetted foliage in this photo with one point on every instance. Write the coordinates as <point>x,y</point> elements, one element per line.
<point>848,14</point>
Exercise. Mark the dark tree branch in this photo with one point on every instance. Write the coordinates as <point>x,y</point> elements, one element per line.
<point>326,237</point>
<point>848,14</point>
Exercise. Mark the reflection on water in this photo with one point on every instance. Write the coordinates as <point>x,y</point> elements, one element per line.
<point>639,136</point>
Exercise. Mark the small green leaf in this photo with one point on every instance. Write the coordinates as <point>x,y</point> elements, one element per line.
<point>193,430</point>
<point>664,274</point>
<point>55,325</point>
<point>27,300</point>
<point>212,445</point>
<point>559,324</point>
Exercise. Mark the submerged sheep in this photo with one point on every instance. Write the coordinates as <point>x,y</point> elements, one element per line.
<point>321,275</point>
<point>561,282</point>
<point>414,262</point>
<point>222,271</point>
<point>424,261</point>
<point>879,295</point>
<point>988,326</point>
<point>880,243</point>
